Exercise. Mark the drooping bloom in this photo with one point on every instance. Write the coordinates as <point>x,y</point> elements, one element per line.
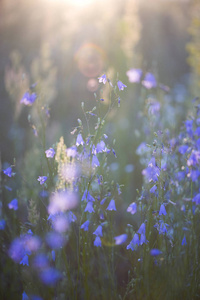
<point>85,225</point>
<point>50,153</point>
<point>89,207</point>
<point>28,99</point>
<point>162,210</point>
<point>8,171</point>
<point>111,205</point>
<point>98,231</point>
<point>120,239</point>
<point>103,79</point>
<point>24,260</point>
<point>149,81</point>
<point>142,229</point>
<point>184,242</point>
<point>120,85</point>
<point>79,140</point>
<point>153,189</point>
<point>97,242</point>
<point>24,296</point>
<point>135,242</point>
<point>95,161</point>
<point>13,204</point>
<point>42,179</point>
<point>132,208</point>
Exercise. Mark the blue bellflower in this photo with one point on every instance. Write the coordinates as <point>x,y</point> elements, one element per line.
<point>149,81</point>
<point>120,239</point>
<point>111,205</point>
<point>8,171</point>
<point>98,231</point>
<point>50,153</point>
<point>162,210</point>
<point>97,242</point>
<point>120,85</point>
<point>42,179</point>
<point>79,140</point>
<point>102,79</point>
<point>13,204</point>
<point>85,225</point>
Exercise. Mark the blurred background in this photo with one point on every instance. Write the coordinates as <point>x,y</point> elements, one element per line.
<point>65,45</point>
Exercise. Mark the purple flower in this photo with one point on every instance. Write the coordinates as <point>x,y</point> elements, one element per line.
<point>197,199</point>
<point>182,149</point>
<point>194,158</point>
<point>142,228</point>
<point>111,205</point>
<point>143,239</point>
<point>120,85</point>
<point>2,224</point>
<point>24,296</point>
<point>98,231</point>
<point>8,171</point>
<point>162,210</point>
<point>28,99</point>
<point>155,252</point>
<point>50,152</point>
<point>95,161</point>
<point>153,189</point>
<point>85,225</point>
<point>120,239</point>
<point>135,242</point>
<point>97,242</point>
<point>132,208</point>
<point>13,204</point>
<point>103,79</point>
<point>184,242</point>
<point>89,207</point>
<point>42,179</point>
<point>134,75</point>
<point>55,240</point>
<point>79,140</point>
<point>24,261</point>
<point>50,276</point>
<point>152,172</point>
<point>149,81</point>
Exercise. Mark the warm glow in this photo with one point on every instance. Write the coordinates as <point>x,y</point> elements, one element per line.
<point>76,2</point>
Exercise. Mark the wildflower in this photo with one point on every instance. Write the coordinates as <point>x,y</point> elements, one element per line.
<point>85,225</point>
<point>197,199</point>
<point>184,242</point>
<point>89,207</point>
<point>153,189</point>
<point>155,252</point>
<point>50,276</point>
<point>28,99</point>
<point>149,81</point>
<point>120,239</point>
<point>50,153</point>
<point>152,172</point>
<point>71,152</point>
<point>135,242</point>
<point>98,231</point>
<point>71,217</point>
<point>142,229</point>
<point>55,240</point>
<point>79,140</point>
<point>24,296</point>
<point>162,210</point>
<point>8,171</point>
<point>97,242</point>
<point>154,108</point>
<point>182,149</point>
<point>42,179</point>
<point>95,161</point>
<point>111,205</point>
<point>102,79</point>
<point>2,224</point>
<point>143,239</point>
<point>13,204</point>
<point>194,158</point>
<point>24,261</point>
<point>188,126</point>
<point>132,208</point>
<point>134,75</point>
<point>120,85</point>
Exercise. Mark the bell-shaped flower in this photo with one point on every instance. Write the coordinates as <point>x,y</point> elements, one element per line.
<point>111,205</point>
